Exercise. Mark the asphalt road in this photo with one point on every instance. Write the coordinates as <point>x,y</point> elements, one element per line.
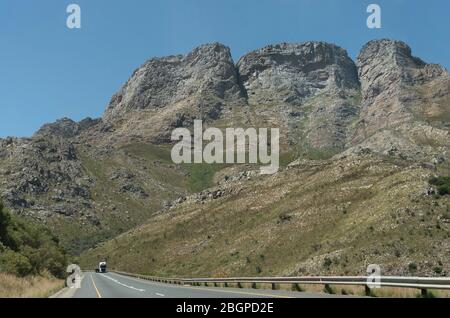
<point>112,285</point>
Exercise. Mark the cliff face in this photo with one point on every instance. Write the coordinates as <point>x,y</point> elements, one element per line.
<point>404,106</point>
<point>320,99</point>
<point>171,92</point>
<point>308,89</point>
<point>391,79</point>
<point>204,74</point>
<point>290,73</point>
<point>97,178</point>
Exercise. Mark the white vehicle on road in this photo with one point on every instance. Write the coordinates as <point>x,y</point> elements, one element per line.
<point>101,267</point>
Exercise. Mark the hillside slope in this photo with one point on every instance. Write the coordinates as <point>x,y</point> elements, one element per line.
<point>314,217</point>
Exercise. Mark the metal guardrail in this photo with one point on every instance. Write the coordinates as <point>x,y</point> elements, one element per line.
<point>422,283</point>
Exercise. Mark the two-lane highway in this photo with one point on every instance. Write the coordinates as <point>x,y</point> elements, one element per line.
<point>112,285</point>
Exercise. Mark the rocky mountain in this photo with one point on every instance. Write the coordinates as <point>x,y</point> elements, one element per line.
<point>171,92</point>
<point>92,180</point>
<point>405,103</point>
<point>307,89</point>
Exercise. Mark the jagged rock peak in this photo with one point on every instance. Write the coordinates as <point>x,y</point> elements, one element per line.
<point>288,73</point>
<point>390,61</point>
<point>392,86</point>
<point>66,127</point>
<point>393,50</point>
<point>208,71</point>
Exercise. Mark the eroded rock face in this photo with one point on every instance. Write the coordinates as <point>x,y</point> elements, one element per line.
<point>66,127</point>
<point>290,73</point>
<point>391,79</point>
<point>170,92</point>
<point>207,72</point>
<point>309,90</point>
<point>38,167</point>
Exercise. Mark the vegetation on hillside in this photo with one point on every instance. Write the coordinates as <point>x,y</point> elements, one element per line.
<point>315,218</point>
<point>28,249</point>
<point>442,185</point>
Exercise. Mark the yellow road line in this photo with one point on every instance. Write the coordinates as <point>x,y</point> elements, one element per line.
<point>208,289</point>
<point>96,289</point>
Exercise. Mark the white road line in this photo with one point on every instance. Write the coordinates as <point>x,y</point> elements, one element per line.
<point>122,284</point>
<point>162,295</point>
<point>220,290</point>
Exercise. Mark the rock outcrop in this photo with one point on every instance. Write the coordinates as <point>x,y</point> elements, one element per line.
<point>207,72</point>
<point>290,73</point>
<point>172,91</point>
<point>392,84</point>
<point>310,90</point>
<point>66,128</point>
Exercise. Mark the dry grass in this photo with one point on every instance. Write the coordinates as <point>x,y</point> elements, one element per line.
<point>28,287</point>
<point>385,292</point>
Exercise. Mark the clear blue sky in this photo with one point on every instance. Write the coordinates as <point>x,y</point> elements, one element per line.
<point>48,71</point>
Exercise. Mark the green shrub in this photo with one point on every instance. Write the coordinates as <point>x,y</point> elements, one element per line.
<point>444,189</point>
<point>15,263</point>
<point>327,262</point>
<point>442,184</point>
<point>328,289</point>
<point>27,248</point>
<point>412,267</point>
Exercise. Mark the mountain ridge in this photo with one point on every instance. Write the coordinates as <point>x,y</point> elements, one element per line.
<point>94,179</point>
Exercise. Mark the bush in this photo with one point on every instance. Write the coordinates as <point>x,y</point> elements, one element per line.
<point>15,263</point>
<point>328,289</point>
<point>28,249</point>
<point>412,267</point>
<point>444,189</point>
<point>442,184</point>
<point>438,270</point>
<point>327,262</point>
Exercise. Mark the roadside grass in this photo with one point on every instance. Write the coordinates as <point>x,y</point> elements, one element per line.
<point>28,287</point>
<point>347,290</point>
